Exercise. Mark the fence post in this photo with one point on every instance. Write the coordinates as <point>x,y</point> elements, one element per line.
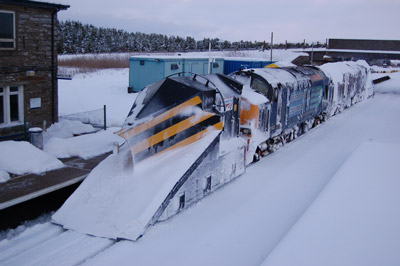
<point>105,117</point>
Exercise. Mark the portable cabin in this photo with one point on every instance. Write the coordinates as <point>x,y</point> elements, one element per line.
<point>234,64</point>
<point>144,70</point>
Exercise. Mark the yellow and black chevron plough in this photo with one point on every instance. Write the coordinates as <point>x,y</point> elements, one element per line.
<point>181,115</point>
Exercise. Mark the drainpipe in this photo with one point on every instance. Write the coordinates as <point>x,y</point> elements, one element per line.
<point>53,70</point>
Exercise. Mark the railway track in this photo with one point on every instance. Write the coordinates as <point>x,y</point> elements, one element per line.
<point>50,244</point>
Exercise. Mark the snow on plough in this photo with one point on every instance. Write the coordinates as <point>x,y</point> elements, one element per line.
<point>188,136</point>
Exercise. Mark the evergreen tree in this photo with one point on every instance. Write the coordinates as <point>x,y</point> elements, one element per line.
<point>75,37</point>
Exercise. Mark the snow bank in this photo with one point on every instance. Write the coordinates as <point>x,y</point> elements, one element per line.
<point>21,157</point>
<point>115,202</point>
<point>67,129</point>
<point>4,176</point>
<point>389,86</point>
<point>355,219</point>
<point>85,146</point>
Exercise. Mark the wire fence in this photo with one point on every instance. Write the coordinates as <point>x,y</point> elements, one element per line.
<point>97,118</point>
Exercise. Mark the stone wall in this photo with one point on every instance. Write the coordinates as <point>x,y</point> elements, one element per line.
<point>32,53</point>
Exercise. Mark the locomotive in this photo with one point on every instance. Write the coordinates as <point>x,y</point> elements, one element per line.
<point>189,135</point>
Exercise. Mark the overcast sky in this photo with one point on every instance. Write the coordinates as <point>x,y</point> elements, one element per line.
<point>235,20</point>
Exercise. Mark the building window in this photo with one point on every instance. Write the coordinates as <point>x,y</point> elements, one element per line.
<point>174,66</point>
<point>11,105</point>
<point>7,30</point>
<point>215,65</point>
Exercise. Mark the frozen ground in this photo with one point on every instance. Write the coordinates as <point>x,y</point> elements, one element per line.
<point>265,211</point>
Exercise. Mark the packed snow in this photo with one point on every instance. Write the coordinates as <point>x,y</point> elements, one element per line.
<point>359,227</point>
<point>21,157</point>
<point>85,146</point>
<point>59,141</point>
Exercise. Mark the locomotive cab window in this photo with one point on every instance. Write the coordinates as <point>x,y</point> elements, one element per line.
<point>7,30</point>
<point>258,84</point>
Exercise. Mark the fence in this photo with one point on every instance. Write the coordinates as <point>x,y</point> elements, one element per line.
<point>97,118</point>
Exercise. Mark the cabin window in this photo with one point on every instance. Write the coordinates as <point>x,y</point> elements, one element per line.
<point>174,66</point>
<point>11,104</point>
<point>182,201</point>
<point>259,85</point>
<point>215,65</point>
<point>142,62</point>
<point>7,30</point>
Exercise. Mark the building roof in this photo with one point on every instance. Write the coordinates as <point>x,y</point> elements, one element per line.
<point>37,4</point>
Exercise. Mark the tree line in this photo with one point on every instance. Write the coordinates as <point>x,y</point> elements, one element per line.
<point>75,37</point>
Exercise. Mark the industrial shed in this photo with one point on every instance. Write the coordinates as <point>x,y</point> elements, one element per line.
<point>146,70</point>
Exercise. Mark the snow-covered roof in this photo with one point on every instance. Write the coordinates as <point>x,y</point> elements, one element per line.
<point>172,57</point>
<point>274,76</point>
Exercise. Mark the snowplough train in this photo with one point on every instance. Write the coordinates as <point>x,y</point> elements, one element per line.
<point>188,136</point>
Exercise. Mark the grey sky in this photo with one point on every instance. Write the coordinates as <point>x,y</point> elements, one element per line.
<point>235,20</point>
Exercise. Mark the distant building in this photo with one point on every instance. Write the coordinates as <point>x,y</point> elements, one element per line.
<point>28,64</point>
<point>373,51</point>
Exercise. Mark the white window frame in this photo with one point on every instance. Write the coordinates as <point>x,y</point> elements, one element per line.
<point>6,93</point>
<point>14,33</point>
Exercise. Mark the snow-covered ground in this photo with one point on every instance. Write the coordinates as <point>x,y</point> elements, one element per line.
<point>277,54</point>
<point>327,180</point>
<point>91,91</point>
<point>354,220</point>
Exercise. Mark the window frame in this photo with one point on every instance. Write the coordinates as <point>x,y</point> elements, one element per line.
<point>13,40</point>
<point>6,93</point>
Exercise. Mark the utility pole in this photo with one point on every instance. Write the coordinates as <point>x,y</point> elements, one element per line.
<point>312,53</point>
<point>209,57</point>
<point>272,44</point>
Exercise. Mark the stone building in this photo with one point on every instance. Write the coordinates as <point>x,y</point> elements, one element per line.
<point>28,65</point>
